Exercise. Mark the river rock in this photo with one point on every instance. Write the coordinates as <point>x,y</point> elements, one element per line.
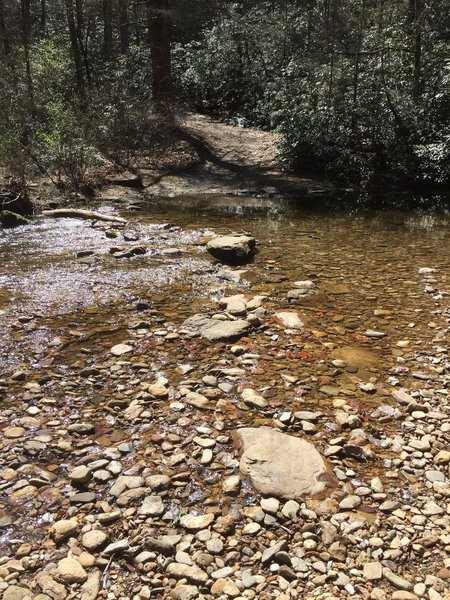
<point>252,398</point>
<point>15,592</point>
<point>216,330</point>
<point>70,571</point>
<point>94,539</point>
<point>91,587</point>
<point>235,305</point>
<point>184,592</point>
<point>153,506</point>
<point>195,522</point>
<point>194,574</point>
<point>442,457</point>
<point>373,571</point>
<point>12,219</point>
<point>290,319</point>
<point>120,349</point>
<point>64,529</point>
<point>232,249</point>
<point>280,465</point>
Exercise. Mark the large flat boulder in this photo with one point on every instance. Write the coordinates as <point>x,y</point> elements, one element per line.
<point>232,249</point>
<point>281,465</point>
<point>216,330</point>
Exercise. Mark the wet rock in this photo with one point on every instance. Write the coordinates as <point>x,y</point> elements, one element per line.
<point>232,249</point>
<point>128,252</point>
<point>290,319</point>
<point>12,219</point>
<point>13,432</point>
<point>297,294</point>
<point>6,521</point>
<point>120,349</point>
<point>70,571</point>
<point>252,398</point>
<point>172,252</point>
<point>280,465</point>
<point>374,334</point>
<point>216,330</point>
<point>235,305</point>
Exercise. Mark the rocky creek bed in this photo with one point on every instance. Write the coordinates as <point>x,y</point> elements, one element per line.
<point>130,467</point>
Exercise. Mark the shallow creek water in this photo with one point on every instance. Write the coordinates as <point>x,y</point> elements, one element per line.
<point>59,312</point>
<point>361,260</point>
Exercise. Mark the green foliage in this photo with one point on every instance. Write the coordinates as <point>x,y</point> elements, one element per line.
<point>357,89</point>
<point>63,147</point>
<point>347,85</point>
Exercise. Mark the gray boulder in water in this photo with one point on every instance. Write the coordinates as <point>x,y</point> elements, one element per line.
<point>12,219</point>
<point>232,249</point>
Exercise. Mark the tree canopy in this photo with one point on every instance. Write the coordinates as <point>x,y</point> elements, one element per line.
<point>358,89</point>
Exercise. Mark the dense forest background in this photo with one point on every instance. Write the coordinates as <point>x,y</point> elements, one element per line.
<point>358,89</point>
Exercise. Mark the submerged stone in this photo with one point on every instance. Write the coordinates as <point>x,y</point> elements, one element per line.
<point>290,319</point>
<point>216,330</point>
<point>281,465</point>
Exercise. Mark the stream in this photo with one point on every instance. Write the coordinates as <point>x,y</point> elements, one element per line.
<point>363,259</point>
<point>374,326</point>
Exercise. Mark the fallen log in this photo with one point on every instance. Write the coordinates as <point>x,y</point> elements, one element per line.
<point>78,213</point>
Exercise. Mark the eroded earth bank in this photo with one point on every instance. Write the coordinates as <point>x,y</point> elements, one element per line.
<point>173,427</point>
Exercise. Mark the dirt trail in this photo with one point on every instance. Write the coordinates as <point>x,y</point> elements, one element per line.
<point>217,158</point>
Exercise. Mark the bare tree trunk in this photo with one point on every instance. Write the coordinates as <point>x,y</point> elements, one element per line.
<point>123,26</point>
<point>356,67</point>
<point>160,34</point>
<point>331,31</point>
<point>26,33</point>
<point>75,50</point>
<point>107,27</point>
<point>415,14</point>
<point>4,38</point>
<point>43,22</point>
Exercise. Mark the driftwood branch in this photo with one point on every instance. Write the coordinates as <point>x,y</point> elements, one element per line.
<point>78,213</point>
